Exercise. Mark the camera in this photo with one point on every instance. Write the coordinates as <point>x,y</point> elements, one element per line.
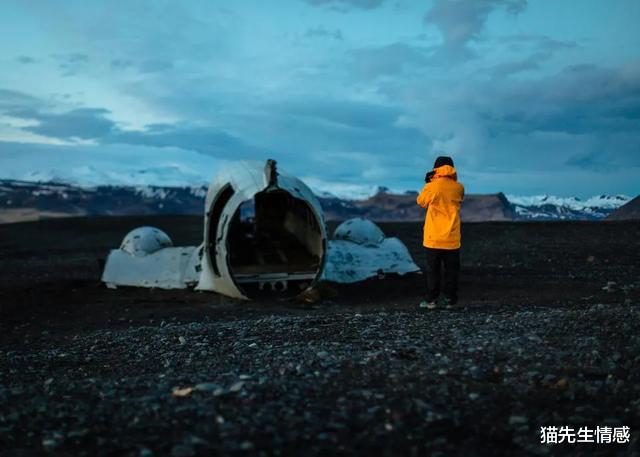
<point>429,176</point>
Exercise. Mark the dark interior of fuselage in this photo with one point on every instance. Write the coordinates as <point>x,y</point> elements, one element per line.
<point>274,235</point>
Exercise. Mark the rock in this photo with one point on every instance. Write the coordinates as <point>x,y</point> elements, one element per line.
<point>196,440</point>
<point>246,445</point>
<point>440,441</point>
<point>548,379</point>
<point>518,420</point>
<point>236,387</point>
<point>206,386</point>
<point>182,450</point>
<point>310,295</point>
<point>50,443</point>
<point>180,393</point>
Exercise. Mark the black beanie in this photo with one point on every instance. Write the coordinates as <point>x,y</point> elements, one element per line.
<point>443,160</point>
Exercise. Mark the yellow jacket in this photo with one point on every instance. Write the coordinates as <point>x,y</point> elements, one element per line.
<point>442,198</point>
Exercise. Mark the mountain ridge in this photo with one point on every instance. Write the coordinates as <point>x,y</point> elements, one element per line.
<point>27,200</point>
<point>628,211</point>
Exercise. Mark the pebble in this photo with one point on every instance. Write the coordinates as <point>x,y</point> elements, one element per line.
<point>50,443</point>
<point>182,450</point>
<point>206,386</point>
<point>246,445</point>
<point>236,387</point>
<point>518,420</point>
<point>296,395</point>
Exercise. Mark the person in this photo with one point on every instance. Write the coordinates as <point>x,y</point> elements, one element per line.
<point>442,196</point>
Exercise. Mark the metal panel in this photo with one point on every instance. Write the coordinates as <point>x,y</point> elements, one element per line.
<point>247,178</point>
<point>360,250</point>
<point>167,268</point>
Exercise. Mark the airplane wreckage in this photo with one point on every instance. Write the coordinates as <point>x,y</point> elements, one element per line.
<point>263,229</point>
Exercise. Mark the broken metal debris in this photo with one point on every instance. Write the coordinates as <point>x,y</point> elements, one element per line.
<point>263,229</point>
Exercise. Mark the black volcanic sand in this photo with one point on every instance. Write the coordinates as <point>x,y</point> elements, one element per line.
<point>535,341</point>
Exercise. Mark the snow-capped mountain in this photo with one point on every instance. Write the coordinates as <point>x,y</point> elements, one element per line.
<point>114,165</point>
<point>549,207</point>
<point>346,191</point>
<point>91,176</point>
<point>24,200</point>
<point>147,170</point>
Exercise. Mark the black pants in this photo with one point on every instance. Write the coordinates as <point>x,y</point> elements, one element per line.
<point>450,258</point>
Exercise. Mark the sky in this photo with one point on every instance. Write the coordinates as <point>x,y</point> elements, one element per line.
<point>528,97</point>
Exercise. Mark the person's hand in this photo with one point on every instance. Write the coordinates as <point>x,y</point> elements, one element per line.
<point>429,176</point>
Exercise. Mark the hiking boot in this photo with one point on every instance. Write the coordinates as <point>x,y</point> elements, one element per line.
<point>428,304</point>
<point>448,302</point>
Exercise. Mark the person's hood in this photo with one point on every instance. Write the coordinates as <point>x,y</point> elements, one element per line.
<point>445,171</point>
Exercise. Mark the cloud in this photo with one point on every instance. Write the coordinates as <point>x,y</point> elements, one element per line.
<point>393,59</point>
<point>593,161</point>
<point>154,66</point>
<point>143,67</point>
<point>204,139</point>
<point>121,63</point>
<point>532,62</point>
<point>95,125</point>
<point>374,107</point>
<point>25,60</point>
<point>15,100</point>
<point>342,139</point>
<point>346,5</point>
<point>72,58</point>
<point>356,115</point>
<point>106,164</point>
<point>72,63</point>
<point>462,21</point>
<point>581,118</point>
<point>339,139</point>
<point>561,121</point>
<point>540,42</point>
<point>323,32</point>
<point>579,100</point>
<point>540,48</point>
<point>81,123</point>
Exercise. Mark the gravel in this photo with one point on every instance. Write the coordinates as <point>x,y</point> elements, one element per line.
<point>547,335</point>
<point>467,381</point>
